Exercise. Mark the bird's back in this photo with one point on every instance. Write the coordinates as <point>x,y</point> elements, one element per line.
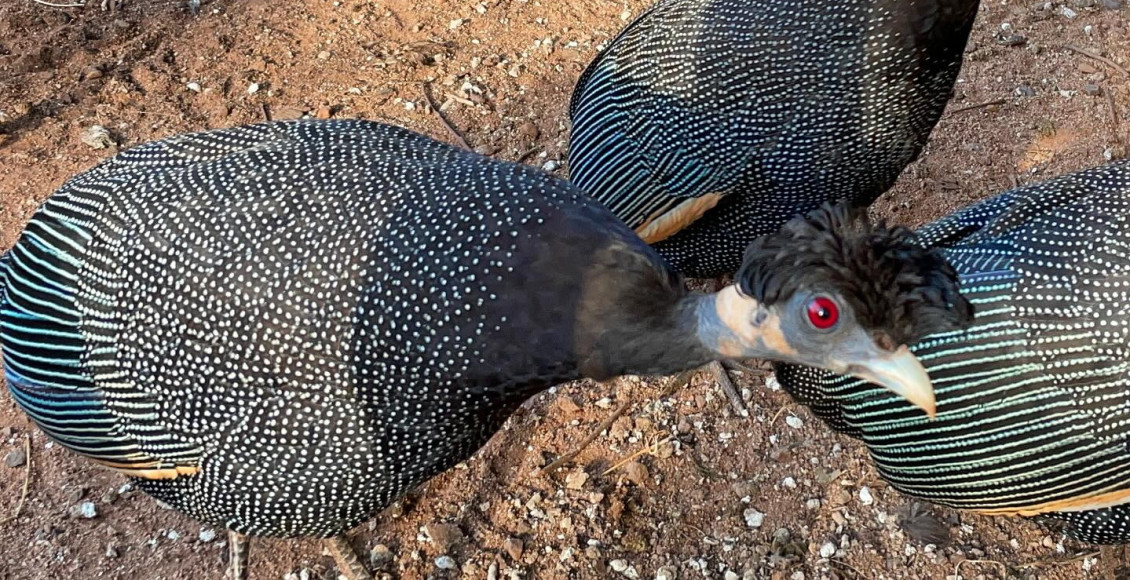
<point>280,327</point>
<point>775,107</point>
<point>1034,398</point>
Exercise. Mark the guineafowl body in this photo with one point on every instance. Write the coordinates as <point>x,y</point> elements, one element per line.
<point>1034,398</point>
<point>705,123</point>
<point>280,328</point>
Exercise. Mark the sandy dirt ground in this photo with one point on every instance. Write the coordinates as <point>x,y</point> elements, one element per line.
<point>677,486</point>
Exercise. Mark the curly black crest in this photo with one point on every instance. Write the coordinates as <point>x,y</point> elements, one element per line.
<point>895,286</point>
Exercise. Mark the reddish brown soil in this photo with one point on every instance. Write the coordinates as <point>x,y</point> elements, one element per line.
<point>64,70</point>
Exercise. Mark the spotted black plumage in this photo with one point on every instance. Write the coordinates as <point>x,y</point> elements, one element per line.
<point>766,108</point>
<point>279,328</point>
<point>1033,399</point>
<point>315,316</point>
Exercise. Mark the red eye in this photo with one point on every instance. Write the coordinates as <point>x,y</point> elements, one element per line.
<point>822,313</point>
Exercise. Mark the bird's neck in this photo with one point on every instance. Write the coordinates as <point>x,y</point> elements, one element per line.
<point>649,339</point>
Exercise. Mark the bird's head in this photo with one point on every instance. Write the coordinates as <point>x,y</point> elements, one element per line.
<point>832,290</point>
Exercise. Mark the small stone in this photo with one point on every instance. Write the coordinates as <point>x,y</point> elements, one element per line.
<point>207,535</point>
<point>1012,40</point>
<point>1068,13</point>
<point>325,54</point>
<point>97,137</point>
<point>455,24</point>
<point>112,550</point>
<point>528,131</point>
<point>753,518</point>
<point>252,88</point>
<point>323,112</point>
<point>789,483</point>
<point>1025,91</point>
<point>550,165</point>
<point>492,571</point>
<point>380,556</point>
<point>576,479</point>
<point>513,546</point>
<point>444,536</point>
<point>172,535</point>
<point>794,422</point>
<point>194,87</point>
<point>90,72</point>
<point>445,563</point>
<point>110,496</point>
<point>86,509</point>
<point>828,550</point>
<point>619,565</point>
<point>15,458</point>
<point>731,575</point>
<point>1092,90</point>
<point>666,573</point>
<point>567,406</point>
<point>636,473</point>
<point>865,496</point>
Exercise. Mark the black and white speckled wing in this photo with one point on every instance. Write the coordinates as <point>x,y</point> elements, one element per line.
<point>1034,398</point>
<point>707,123</point>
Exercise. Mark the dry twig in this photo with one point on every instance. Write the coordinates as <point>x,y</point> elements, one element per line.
<point>442,119</point>
<point>27,479</point>
<point>978,106</point>
<point>1098,57</point>
<point>1039,563</point>
<point>591,437</point>
<point>777,415</point>
<point>651,449</point>
<point>1114,116</point>
<point>957,568</point>
<point>53,5</point>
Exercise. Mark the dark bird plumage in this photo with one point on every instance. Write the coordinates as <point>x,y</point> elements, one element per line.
<point>705,123</point>
<point>280,328</point>
<point>1033,399</point>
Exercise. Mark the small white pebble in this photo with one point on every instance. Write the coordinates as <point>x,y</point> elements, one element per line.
<point>618,565</point>
<point>207,535</point>
<point>828,550</point>
<point>252,88</point>
<point>88,510</point>
<point>731,575</point>
<point>194,87</point>
<point>794,422</point>
<point>455,23</point>
<point>789,483</point>
<point>445,563</point>
<point>865,496</point>
<point>549,165</point>
<point>753,518</point>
